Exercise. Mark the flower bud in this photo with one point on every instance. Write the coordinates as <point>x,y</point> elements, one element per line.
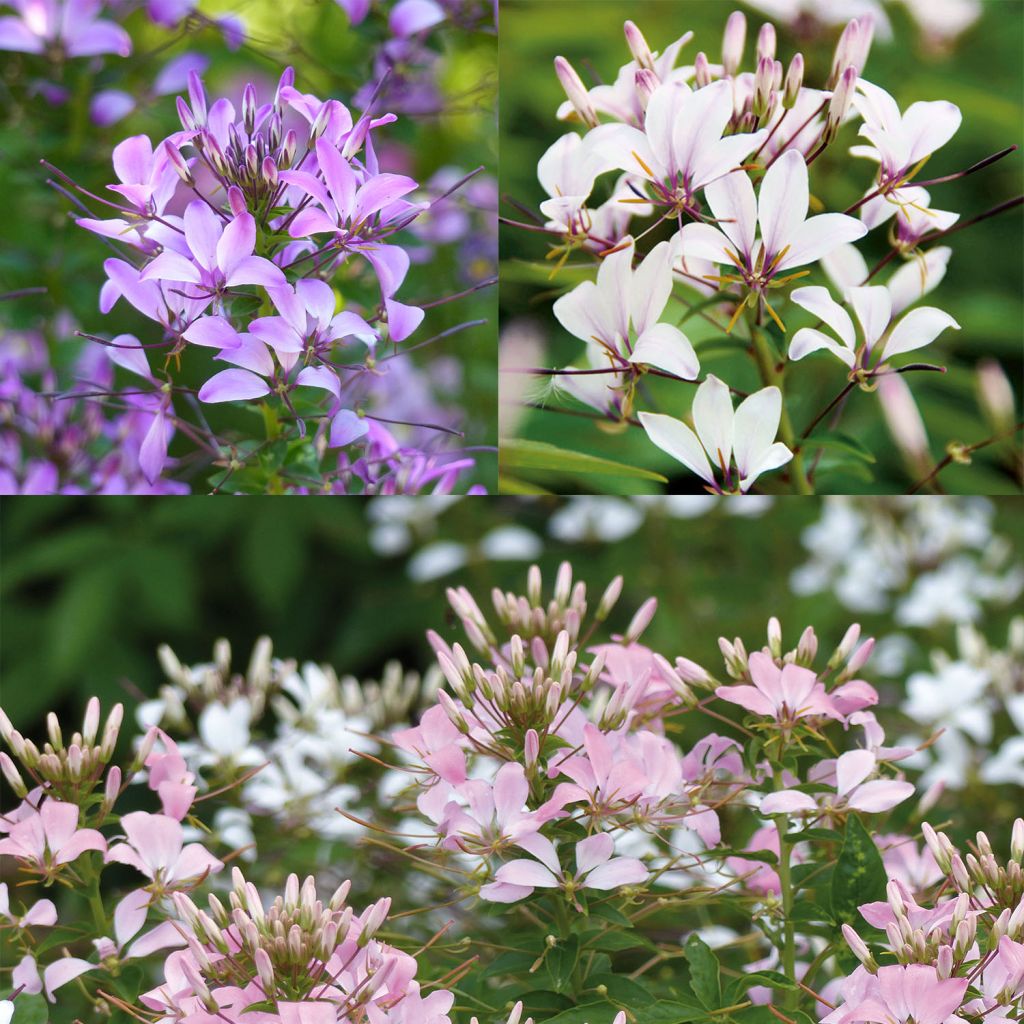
<point>609,599</point>
<point>356,138</point>
<point>807,647</point>
<point>701,70</point>
<point>91,722</point>
<point>197,96</point>
<point>269,169</point>
<point>288,148</point>
<point>576,92</point>
<point>319,125</point>
<point>236,200</point>
<point>111,731</point>
<point>641,620</point>
<point>839,104</point>
<point>373,919</point>
<point>1017,841</point>
<point>763,79</point>
<point>944,962</point>
<point>531,749</point>
<point>638,46</point>
<point>794,81</point>
<point>995,395</point>
<point>188,122</point>
<point>732,42</point>
<point>249,108</point>
<point>860,949</point>
<point>14,779</point>
<point>265,971</point>
<point>775,637</point>
<point>766,41</point>
<point>563,584</point>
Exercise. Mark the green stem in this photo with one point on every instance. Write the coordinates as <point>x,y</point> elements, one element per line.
<point>773,375</point>
<point>99,915</point>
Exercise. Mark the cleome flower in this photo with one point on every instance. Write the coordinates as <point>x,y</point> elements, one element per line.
<point>746,435</point>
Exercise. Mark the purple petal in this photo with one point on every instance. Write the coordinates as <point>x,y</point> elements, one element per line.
<point>256,270</point>
<point>110,106</point>
<point>341,181</point>
<point>203,229</point>
<point>321,377</point>
<point>212,332</point>
<point>100,37</point>
<point>402,319</point>
<point>311,222</point>
<point>174,76</point>
<point>133,159</point>
<point>233,386</point>
<point>275,332</point>
<point>379,191</point>
<point>347,427</point>
<point>250,354</point>
<point>60,972</point>
<point>153,452</point>
<point>237,241</point>
<point>16,35</point>
<point>170,266</point>
<point>133,358</point>
<point>411,16</point>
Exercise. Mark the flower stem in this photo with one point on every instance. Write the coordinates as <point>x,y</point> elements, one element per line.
<point>770,374</point>
<point>792,996</point>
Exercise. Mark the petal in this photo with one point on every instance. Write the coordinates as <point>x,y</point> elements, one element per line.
<point>724,156</point>
<point>320,377</point>
<point>917,278</point>
<point>749,697</point>
<point>704,242</point>
<point>700,120</point>
<point>195,861</point>
<point>618,871</point>
<point>787,801</point>
<point>873,306</point>
<point>233,386</point>
<point>543,849</point>
<point>756,424</point>
<point>126,350</point>
<point>311,221</point>
<point>526,872</point>
<point>133,159</point>
<point>713,420</point>
<point>347,427</point>
<point>250,354</point>
<point>578,312</point>
<point>340,178</point>
<point>83,840</point>
<point>734,205</point>
<point>163,936</point>
<point>880,795</point>
<point>808,340</point>
<point>130,915</point>
<point>818,301</point>
<point>15,35</point>
<point>378,192</point>
<point>782,202</point>
<point>59,821</point>
<point>236,242</point>
<point>916,329</point>
<point>614,292</point>
<point>667,348</point>
<point>679,441</point>
<point>212,332</point>
<point>171,266</point>
<point>651,287</point>
<point>777,455</point>
<point>592,851</point>
<point>276,332</point>
<point>852,768</point>
<point>60,972</point>
<point>510,791</point>
<point>255,270</point>
<point>100,37</point>
<point>819,236</point>
<point>929,125</point>
<point>203,229</point>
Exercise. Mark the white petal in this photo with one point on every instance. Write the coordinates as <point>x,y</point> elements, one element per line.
<point>928,126</point>
<point>817,300</point>
<point>699,123</point>
<point>777,455</point>
<point>918,328</point>
<point>873,307</point>
<point>651,286</point>
<point>723,156</point>
<point>846,267</point>
<point>713,420</point>
<point>702,241</point>
<point>917,278</point>
<point>732,201</point>
<point>667,348</point>
<point>614,288</point>
<point>664,111</point>
<point>820,235</point>
<point>808,340</point>
<point>756,424</point>
<point>676,438</point>
<point>782,202</point>
<point>576,312</point>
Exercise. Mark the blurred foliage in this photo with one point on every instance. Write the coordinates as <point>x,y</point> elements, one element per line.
<point>40,245</point>
<point>89,588</point>
<point>981,73</point>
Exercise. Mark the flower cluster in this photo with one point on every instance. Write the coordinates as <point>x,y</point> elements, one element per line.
<point>724,157</point>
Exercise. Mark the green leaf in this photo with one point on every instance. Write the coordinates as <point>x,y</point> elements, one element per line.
<point>771,979</point>
<point>30,1010</point>
<point>589,1012</point>
<point>561,962</point>
<point>859,876</point>
<point>673,1012</point>
<point>704,972</point>
<point>520,453</point>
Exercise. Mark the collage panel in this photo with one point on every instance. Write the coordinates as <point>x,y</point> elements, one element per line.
<point>773,249</point>
<point>250,247</point>
<point>434,760</point>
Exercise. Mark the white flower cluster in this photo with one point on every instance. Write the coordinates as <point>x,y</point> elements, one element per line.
<point>927,561</point>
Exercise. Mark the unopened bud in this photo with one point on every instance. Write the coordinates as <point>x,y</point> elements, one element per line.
<point>638,46</point>
<point>534,585</point>
<point>609,599</point>
<point>763,80</point>
<point>373,919</point>
<point>111,790</point>
<point>288,148</point>
<point>531,749</point>
<point>269,169</point>
<point>319,125</point>
<point>807,647</point>
<point>860,949</point>
<point>356,138</point>
<point>110,732</point>
<point>842,96</point>
<point>1017,841</point>
<point>265,971</point>
<point>641,620</point>
<point>701,70</point>
<point>646,83</point>
<point>249,108</point>
<point>995,395</point>
<point>576,92</point>
<point>732,42</point>
<point>14,779</point>
<point>563,584</point>
<point>91,722</point>
<point>236,200</point>
<point>794,81</point>
<point>775,637</point>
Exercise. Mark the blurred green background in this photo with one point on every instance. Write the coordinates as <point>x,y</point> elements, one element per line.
<point>40,245</point>
<point>980,72</point>
<point>89,588</point>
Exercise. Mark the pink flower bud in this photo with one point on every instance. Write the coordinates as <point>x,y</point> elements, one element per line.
<point>859,948</point>
<point>638,46</point>
<point>641,620</point>
<point>91,723</point>
<point>646,83</point>
<point>14,779</point>
<point>1017,841</point>
<point>531,749</point>
<point>576,91</point>
<point>775,637</point>
<point>995,395</point>
<point>563,584</point>
<point>236,200</point>
<point>732,42</point>
<point>903,419</point>
<point>766,42</point>
<point>609,599</point>
<point>701,70</point>
<point>839,104</point>
<point>763,80</point>
<point>794,81</point>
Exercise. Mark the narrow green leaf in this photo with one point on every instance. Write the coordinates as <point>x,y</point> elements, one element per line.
<point>30,1010</point>
<point>520,453</point>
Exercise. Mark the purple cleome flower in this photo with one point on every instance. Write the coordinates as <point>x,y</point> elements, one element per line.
<point>71,28</point>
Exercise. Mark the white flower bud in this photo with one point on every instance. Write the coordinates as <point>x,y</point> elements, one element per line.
<point>576,92</point>
<point>794,81</point>
<point>732,42</point>
<point>701,70</point>
<point>638,46</point>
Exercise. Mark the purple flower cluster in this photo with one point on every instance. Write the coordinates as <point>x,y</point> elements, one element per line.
<point>74,443</point>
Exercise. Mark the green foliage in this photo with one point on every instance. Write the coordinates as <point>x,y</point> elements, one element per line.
<point>859,875</point>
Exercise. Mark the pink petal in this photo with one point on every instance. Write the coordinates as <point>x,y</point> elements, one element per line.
<point>59,820</point>
<point>171,266</point>
<point>510,791</point>
<point>618,871</point>
<point>84,839</point>
<point>153,450</point>
<point>748,697</point>
<point>526,872</point>
<point>237,241</point>
<point>880,795</point>
<point>60,972</point>
<point>130,915</point>
<point>347,427</point>
<point>212,332</point>
<point>787,801</point>
<point>592,851</point>
<point>852,768</point>
<point>163,936</point>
